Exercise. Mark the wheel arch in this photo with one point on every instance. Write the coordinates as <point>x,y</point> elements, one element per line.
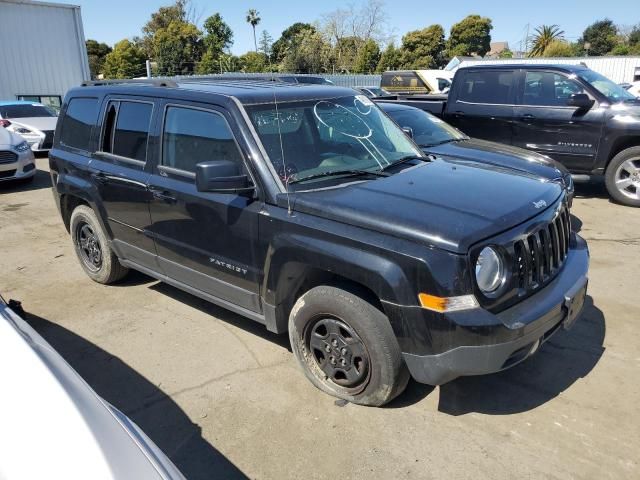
<point>293,270</point>
<point>620,144</point>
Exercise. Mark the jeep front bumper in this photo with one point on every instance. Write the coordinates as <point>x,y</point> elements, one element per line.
<point>482,342</point>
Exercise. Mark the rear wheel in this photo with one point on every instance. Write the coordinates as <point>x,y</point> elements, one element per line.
<point>92,248</point>
<point>622,177</point>
<point>346,347</point>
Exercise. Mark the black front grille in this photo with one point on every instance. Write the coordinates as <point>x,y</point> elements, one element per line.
<point>48,140</point>
<point>8,157</point>
<point>540,255</point>
<point>7,173</point>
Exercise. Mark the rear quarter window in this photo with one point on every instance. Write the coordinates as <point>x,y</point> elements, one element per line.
<point>77,122</point>
<point>487,86</point>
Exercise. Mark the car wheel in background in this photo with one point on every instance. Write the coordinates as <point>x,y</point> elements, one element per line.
<point>622,177</point>
<point>346,347</point>
<point>91,245</point>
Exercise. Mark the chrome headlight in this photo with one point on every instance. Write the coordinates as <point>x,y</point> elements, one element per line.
<point>489,270</point>
<point>22,147</point>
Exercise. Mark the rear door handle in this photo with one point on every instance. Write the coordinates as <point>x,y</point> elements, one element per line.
<point>163,195</point>
<point>459,113</point>
<point>527,117</point>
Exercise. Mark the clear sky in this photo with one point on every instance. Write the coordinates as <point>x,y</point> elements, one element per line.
<point>112,20</point>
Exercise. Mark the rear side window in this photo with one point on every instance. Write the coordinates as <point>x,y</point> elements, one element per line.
<point>192,136</point>
<point>80,117</point>
<point>126,129</point>
<point>487,86</point>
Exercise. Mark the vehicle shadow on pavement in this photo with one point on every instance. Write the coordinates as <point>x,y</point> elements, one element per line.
<point>594,188</point>
<point>149,407</point>
<point>222,314</point>
<point>40,180</point>
<point>563,360</point>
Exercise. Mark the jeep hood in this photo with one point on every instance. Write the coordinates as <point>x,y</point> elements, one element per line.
<point>446,204</point>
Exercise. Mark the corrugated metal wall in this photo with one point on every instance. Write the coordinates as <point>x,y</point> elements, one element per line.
<point>42,50</point>
<point>618,69</point>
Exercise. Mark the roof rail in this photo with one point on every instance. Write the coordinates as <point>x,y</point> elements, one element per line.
<point>155,82</point>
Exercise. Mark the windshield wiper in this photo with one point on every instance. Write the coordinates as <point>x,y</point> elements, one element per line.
<point>449,140</point>
<point>402,160</point>
<point>333,173</point>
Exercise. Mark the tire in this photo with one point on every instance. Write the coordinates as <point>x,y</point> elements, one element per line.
<point>622,177</point>
<point>368,369</point>
<point>92,247</point>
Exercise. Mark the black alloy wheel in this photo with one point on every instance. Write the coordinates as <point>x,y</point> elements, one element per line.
<point>339,352</point>
<point>89,245</point>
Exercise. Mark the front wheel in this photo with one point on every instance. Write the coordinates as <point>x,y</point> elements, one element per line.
<point>346,347</point>
<point>622,177</point>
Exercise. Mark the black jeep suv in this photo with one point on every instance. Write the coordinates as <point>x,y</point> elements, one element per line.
<point>307,209</point>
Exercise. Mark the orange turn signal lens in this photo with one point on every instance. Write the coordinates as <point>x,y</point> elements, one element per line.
<point>447,304</point>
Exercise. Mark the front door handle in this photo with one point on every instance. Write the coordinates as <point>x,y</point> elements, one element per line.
<point>163,195</point>
<point>527,117</point>
<point>459,113</point>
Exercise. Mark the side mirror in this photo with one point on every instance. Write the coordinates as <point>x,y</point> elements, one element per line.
<point>408,131</point>
<point>580,100</point>
<point>221,176</point>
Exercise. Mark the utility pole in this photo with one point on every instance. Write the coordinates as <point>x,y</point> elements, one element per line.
<point>148,64</point>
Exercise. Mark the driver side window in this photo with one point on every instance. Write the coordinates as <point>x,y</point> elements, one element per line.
<point>548,89</point>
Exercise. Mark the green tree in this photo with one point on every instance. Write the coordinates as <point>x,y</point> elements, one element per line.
<point>390,59</point>
<point>253,19</point>
<point>506,53</point>
<point>254,62</point>
<point>559,48</point>
<point>543,36</point>
<point>368,57</point>
<point>471,36</point>
<point>218,36</point>
<point>177,48</point>
<point>161,20</point>
<point>282,46</point>
<point>423,49</point>
<point>96,53</point>
<point>266,42</point>
<point>601,36</point>
<point>634,36</point>
<point>308,53</point>
<point>126,60</point>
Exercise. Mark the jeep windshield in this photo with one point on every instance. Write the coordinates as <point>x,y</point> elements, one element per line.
<point>333,140</point>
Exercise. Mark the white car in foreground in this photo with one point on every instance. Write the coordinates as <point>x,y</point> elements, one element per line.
<point>16,158</point>
<point>34,122</point>
<point>54,426</point>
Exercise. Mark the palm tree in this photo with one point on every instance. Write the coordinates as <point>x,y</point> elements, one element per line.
<point>253,19</point>
<point>544,35</point>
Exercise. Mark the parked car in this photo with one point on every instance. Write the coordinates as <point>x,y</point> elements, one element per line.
<point>568,112</point>
<point>16,158</point>
<point>634,89</point>
<point>409,82</point>
<point>54,425</point>
<point>34,122</point>
<point>434,136</point>
<point>310,211</point>
<point>372,92</point>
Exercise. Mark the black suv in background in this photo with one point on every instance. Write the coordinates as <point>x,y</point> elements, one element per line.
<point>574,115</point>
<point>308,210</point>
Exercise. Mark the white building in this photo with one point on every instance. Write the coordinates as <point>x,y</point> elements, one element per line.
<point>42,51</point>
<point>618,69</point>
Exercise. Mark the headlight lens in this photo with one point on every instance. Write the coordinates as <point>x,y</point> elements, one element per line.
<point>489,270</point>
<point>22,147</point>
